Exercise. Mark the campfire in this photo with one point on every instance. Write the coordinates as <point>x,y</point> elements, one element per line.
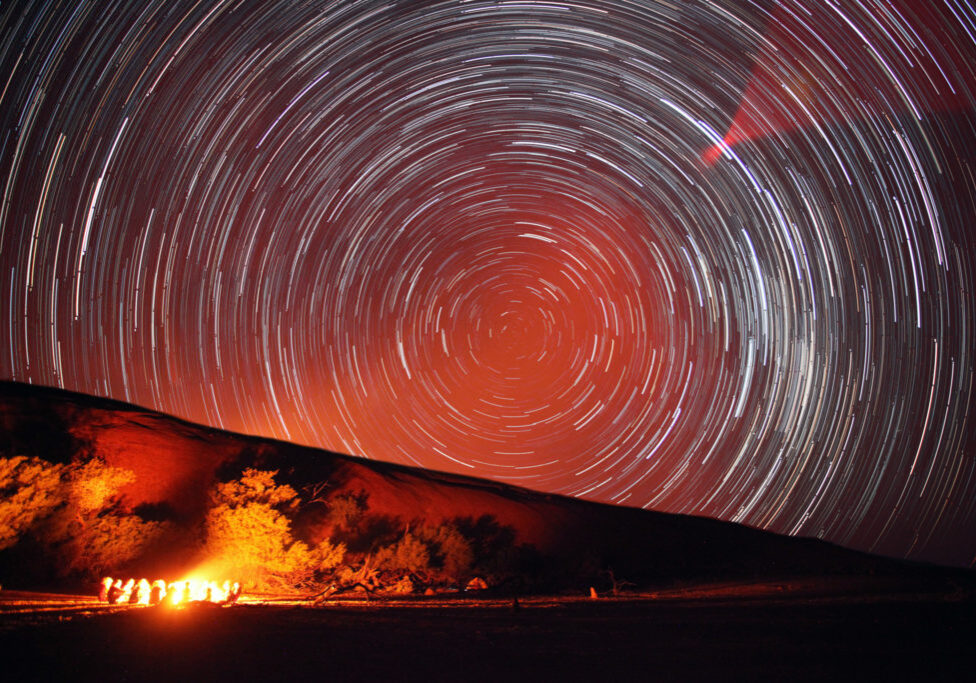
<point>175,593</point>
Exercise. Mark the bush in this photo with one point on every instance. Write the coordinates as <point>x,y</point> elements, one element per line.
<point>250,537</point>
<point>407,555</point>
<point>347,509</point>
<point>92,534</point>
<point>93,486</point>
<point>73,512</point>
<point>30,490</point>
<point>453,554</point>
<point>101,544</point>
<point>255,486</point>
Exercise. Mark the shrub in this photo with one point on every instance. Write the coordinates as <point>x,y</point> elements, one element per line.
<point>30,490</point>
<point>101,544</point>
<point>255,486</point>
<point>92,534</point>
<point>409,554</point>
<point>93,486</point>
<point>347,509</point>
<point>248,534</point>
<point>453,554</point>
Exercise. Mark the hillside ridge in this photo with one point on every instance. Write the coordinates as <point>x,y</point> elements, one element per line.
<point>176,464</point>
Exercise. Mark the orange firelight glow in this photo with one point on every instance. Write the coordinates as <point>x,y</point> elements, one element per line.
<point>175,594</point>
<point>200,590</point>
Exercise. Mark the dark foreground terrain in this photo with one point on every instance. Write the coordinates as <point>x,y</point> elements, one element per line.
<point>766,631</point>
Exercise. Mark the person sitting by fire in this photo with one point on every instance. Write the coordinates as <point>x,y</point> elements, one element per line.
<point>158,592</point>
<point>140,596</point>
<point>106,586</point>
<point>115,592</point>
<point>127,589</point>
<point>233,594</point>
<point>142,592</point>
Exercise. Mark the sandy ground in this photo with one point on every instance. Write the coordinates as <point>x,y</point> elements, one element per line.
<point>761,631</point>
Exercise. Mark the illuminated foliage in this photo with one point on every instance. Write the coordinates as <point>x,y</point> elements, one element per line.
<point>102,543</point>
<point>347,509</point>
<point>248,533</point>
<point>255,540</point>
<point>435,553</point>
<point>453,551</point>
<point>92,533</point>
<point>30,489</point>
<point>93,485</point>
<point>446,553</point>
<point>327,555</point>
<point>255,486</point>
<point>409,554</point>
<point>74,513</point>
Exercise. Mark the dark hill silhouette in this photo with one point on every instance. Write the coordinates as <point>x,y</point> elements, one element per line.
<point>568,541</point>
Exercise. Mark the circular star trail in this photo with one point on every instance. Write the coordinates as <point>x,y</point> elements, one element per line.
<point>701,257</point>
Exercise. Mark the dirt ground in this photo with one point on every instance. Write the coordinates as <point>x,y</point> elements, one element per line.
<point>779,632</point>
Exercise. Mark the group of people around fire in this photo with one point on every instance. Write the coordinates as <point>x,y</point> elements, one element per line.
<point>141,592</point>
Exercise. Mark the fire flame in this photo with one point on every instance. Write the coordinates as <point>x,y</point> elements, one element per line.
<point>175,593</point>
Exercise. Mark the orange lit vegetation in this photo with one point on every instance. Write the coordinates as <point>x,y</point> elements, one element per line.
<point>30,489</point>
<point>75,512</point>
<point>248,532</point>
<point>74,515</point>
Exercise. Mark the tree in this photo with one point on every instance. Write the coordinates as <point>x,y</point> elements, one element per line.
<point>454,551</point>
<point>248,534</point>
<point>255,486</point>
<point>102,544</point>
<point>74,511</point>
<point>409,554</point>
<point>347,509</point>
<point>92,533</point>
<point>30,490</point>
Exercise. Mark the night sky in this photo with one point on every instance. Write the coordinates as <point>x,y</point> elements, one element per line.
<point>702,257</point>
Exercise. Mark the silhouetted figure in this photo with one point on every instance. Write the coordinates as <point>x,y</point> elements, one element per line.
<point>127,589</point>
<point>234,594</point>
<point>106,586</point>
<point>186,593</point>
<point>142,592</point>
<point>115,592</point>
<point>157,592</point>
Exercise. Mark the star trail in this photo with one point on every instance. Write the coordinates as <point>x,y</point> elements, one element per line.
<point>701,257</point>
